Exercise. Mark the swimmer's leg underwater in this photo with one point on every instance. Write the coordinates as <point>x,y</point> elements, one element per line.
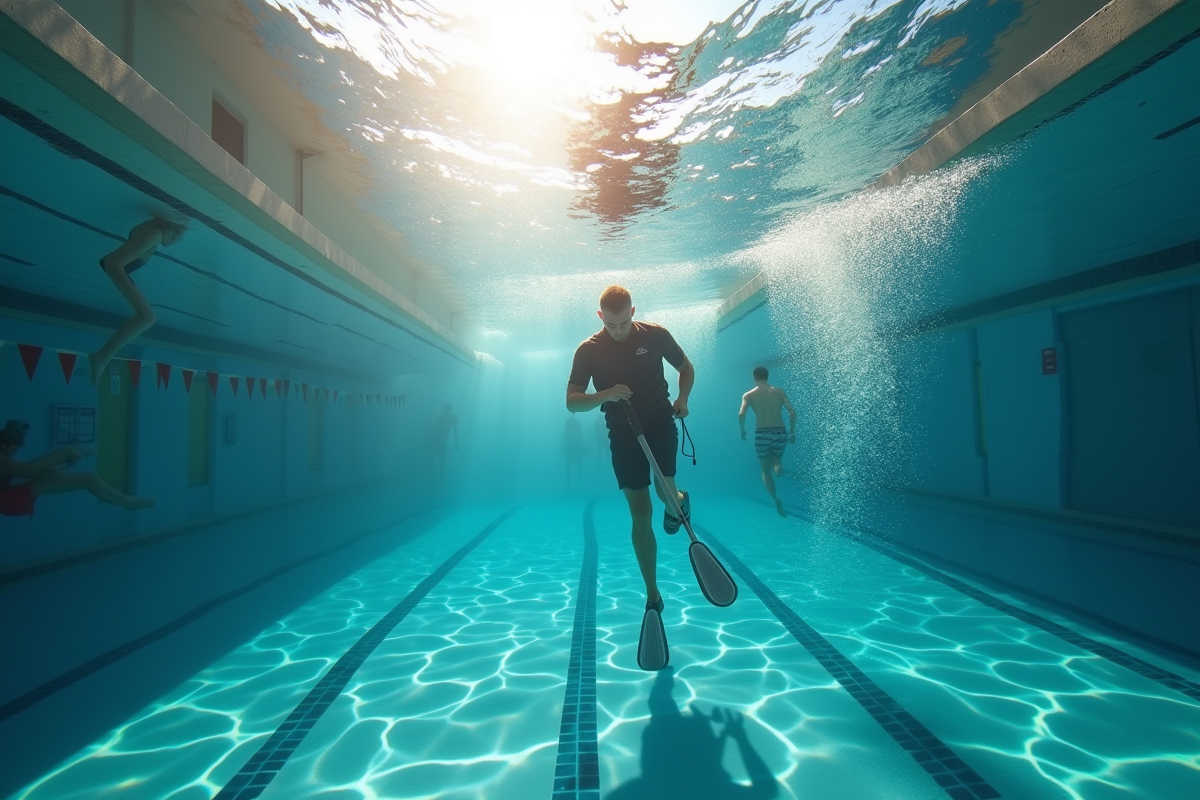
<point>714,580</point>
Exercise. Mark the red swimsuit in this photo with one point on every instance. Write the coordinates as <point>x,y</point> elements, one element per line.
<point>15,501</point>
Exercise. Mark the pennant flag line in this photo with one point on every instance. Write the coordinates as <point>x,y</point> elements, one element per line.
<point>67,360</point>
<point>30,355</point>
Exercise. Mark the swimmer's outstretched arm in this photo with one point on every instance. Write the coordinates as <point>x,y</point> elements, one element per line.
<point>62,457</point>
<point>23,469</point>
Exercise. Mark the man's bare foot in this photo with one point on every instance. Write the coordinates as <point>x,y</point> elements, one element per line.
<point>779,508</point>
<point>137,503</point>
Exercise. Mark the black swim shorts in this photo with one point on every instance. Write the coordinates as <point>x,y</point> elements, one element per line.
<point>629,462</point>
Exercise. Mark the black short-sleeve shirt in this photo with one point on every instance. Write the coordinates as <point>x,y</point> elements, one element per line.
<point>637,363</point>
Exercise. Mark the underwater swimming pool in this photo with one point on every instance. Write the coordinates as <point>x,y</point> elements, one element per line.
<point>365,552</point>
<point>488,652</point>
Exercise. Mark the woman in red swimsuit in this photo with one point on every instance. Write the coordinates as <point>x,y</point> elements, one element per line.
<point>47,477</point>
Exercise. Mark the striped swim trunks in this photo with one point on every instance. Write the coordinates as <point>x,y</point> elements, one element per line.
<point>770,442</point>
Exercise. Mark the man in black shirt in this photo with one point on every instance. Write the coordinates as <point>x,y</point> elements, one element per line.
<point>625,362</point>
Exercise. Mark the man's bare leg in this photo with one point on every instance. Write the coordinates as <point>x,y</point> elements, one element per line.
<point>645,546</point>
<point>61,482</point>
<point>768,478</point>
<point>662,493</point>
<point>132,328</point>
<point>777,465</point>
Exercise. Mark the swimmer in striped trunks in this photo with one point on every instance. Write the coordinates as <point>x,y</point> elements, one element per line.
<point>771,438</point>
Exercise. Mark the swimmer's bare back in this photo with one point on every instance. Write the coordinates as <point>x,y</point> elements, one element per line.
<point>768,406</point>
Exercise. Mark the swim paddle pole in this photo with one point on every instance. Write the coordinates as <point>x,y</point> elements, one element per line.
<point>715,581</point>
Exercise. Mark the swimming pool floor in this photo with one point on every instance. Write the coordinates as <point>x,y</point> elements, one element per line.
<point>491,655</point>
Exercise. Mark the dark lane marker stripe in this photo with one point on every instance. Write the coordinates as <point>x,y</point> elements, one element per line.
<point>1179,128</point>
<point>36,695</point>
<point>887,547</point>
<point>943,765</point>
<point>264,765</point>
<point>577,772</point>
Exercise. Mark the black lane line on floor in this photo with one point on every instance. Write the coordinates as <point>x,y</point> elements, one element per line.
<point>577,770</point>
<point>61,141</point>
<point>264,765</point>
<point>887,547</point>
<point>36,695</point>
<point>950,772</point>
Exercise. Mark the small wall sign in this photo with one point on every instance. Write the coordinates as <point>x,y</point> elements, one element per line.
<point>230,429</point>
<point>114,379</point>
<point>1049,361</point>
<point>74,425</point>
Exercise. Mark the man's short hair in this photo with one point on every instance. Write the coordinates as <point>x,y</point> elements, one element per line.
<point>760,373</point>
<point>615,298</point>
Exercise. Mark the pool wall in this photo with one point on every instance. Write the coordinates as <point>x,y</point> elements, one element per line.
<point>259,451</point>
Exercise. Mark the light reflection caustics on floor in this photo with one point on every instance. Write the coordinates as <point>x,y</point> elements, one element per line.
<point>463,699</point>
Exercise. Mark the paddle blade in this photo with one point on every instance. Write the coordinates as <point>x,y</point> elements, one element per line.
<point>714,579</point>
<point>653,653</point>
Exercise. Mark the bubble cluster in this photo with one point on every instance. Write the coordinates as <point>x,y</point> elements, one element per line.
<point>842,280</point>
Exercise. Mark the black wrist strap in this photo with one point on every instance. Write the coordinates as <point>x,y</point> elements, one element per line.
<point>686,440</point>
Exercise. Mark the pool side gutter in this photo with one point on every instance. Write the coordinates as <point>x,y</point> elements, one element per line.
<point>1110,43</point>
<point>49,42</point>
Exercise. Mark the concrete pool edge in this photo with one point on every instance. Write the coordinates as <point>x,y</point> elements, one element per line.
<point>1111,46</point>
<point>43,38</point>
<point>1117,38</point>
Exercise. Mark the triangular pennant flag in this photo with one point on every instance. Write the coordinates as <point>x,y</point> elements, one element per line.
<point>262,386</point>
<point>67,361</point>
<point>305,387</point>
<point>164,375</point>
<point>187,379</point>
<point>213,378</point>
<point>233,381</point>
<point>326,394</point>
<point>30,355</point>
<point>335,394</point>
<point>250,388</point>
<point>135,372</point>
